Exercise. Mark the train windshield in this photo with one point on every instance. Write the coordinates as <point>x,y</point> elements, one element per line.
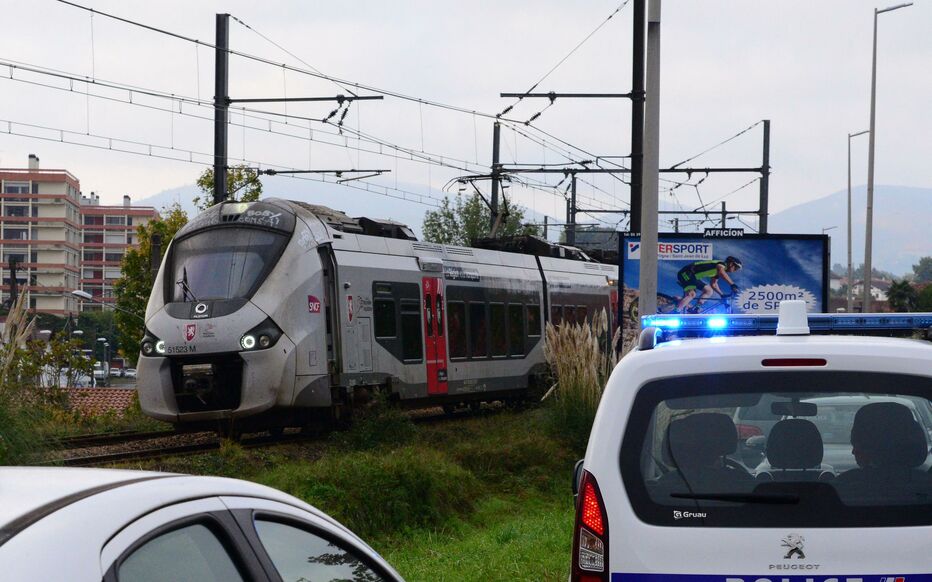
<point>223,263</point>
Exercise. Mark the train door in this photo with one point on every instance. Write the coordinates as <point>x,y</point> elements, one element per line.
<point>434,336</point>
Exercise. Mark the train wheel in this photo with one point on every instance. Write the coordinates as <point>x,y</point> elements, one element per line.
<point>449,409</point>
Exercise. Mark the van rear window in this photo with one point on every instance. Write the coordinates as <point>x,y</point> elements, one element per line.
<point>781,449</point>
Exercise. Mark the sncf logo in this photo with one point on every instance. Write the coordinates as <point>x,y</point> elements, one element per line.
<point>893,579</point>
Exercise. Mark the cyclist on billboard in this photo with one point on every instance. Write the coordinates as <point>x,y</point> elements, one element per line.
<point>691,277</point>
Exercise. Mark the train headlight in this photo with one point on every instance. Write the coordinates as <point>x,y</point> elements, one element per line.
<point>151,346</point>
<point>261,337</point>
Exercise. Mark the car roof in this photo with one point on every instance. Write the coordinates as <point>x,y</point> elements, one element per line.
<point>24,490</point>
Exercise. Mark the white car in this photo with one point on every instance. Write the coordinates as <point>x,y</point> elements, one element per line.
<point>129,373</point>
<point>121,526</point>
<point>664,494</point>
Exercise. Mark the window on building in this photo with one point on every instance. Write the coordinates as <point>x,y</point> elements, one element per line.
<point>16,188</point>
<point>34,257</point>
<point>116,220</point>
<point>130,239</point>
<point>88,219</point>
<point>93,238</point>
<point>456,328</point>
<point>478,331</point>
<point>16,234</point>
<point>35,211</point>
<point>111,273</point>
<point>114,238</point>
<point>385,324</point>
<point>116,257</point>
<point>412,345</point>
<point>515,329</point>
<point>15,211</point>
<point>129,221</point>
<point>497,327</point>
<point>35,188</point>
<point>92,255</point>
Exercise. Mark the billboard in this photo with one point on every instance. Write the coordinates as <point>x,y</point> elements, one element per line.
<point>773,268</point>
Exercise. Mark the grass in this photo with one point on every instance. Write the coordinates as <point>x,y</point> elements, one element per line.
<point>484,498</point>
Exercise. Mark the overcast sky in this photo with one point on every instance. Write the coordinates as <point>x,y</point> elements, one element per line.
<point>725,65</point>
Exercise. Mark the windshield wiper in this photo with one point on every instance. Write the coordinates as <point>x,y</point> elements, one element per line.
<point>769,498</point>
<point>185,289</point>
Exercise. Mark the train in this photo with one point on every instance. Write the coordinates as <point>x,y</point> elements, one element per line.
<point>278,313</point>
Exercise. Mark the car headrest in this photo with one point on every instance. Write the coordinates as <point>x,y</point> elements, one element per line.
<point>794,443</point>
<point>700,438</point>
<point>889,434</point>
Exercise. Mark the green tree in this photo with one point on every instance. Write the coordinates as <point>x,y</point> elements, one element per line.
<point>923,270</point>
<point>924,299</point>
<point>242,181</point>
<point>134,286</point>
<point>468,219</point>
<point>902,296</point>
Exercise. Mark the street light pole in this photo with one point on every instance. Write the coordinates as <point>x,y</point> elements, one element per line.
<point>868,268</point>
<point>850,292</point>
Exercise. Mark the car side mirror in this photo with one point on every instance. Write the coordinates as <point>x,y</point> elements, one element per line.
<point>577,476</point>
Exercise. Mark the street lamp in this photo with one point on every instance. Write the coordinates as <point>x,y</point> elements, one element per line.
<point>868,270</point>
<point>850,263</point>
<point>85,296</point>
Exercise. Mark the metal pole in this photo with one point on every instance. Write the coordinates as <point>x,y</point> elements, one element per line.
<point>545,226</point>
<point>647,284</point>
<point>221,106</point>
<point>850,294</point>
<point>637,114</point>
<point>496,173</point>
<point>724,214</point>
<point>868,268</point>
<point>765,181</point>
<point>571,218</point>
<point>676,225</point>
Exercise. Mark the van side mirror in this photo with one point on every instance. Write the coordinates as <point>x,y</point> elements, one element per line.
<point>577,476</point>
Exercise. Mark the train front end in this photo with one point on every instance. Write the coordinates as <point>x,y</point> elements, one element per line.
<point>216,349</point>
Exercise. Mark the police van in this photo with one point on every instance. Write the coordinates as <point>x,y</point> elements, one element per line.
<point>740,448</point>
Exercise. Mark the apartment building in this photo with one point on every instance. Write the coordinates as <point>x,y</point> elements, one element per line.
<point>106,233</point>
<point>42,229</point>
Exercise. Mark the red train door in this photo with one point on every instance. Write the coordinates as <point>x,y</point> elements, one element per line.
<point>434,336</point>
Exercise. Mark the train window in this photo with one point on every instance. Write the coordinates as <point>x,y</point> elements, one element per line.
<point>556,314</point>
<point>569,314</point>
<point>385,324</point>
<point>581,313</point>
<point>515,329</point>
<point>478,344</point>
<point>456,336</point>
<point>411,344</point>
<point>497,327</point>
<point>533,320</point>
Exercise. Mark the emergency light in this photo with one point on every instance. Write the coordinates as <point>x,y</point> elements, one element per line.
<point>680,326</point>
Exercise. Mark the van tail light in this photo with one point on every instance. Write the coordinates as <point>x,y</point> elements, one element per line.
<point>590,538</point>
<point>746,431</point>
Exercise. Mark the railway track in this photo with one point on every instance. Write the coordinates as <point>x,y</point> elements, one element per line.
<point>161,450</point>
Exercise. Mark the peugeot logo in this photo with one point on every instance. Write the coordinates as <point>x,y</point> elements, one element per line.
<point>200,308</point>
<point>794,543</point>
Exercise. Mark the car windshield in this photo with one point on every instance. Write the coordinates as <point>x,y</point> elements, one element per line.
<point>835,449</point>
<point>222,263</point>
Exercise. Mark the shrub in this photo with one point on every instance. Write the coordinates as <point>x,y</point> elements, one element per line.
<point>581,357</point>
<point>378,424</point>
<point>379,493</point>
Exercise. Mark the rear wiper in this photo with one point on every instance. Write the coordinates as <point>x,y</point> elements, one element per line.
<point>769,498</point>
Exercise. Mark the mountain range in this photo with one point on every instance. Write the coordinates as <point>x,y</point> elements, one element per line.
<point>902,216</point>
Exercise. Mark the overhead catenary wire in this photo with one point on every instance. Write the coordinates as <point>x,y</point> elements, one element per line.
<point>563,60</point>
<point>178,155</point>
<point>719,144</point>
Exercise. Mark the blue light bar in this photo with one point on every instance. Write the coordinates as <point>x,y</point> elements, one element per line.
<point>819,323</point>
